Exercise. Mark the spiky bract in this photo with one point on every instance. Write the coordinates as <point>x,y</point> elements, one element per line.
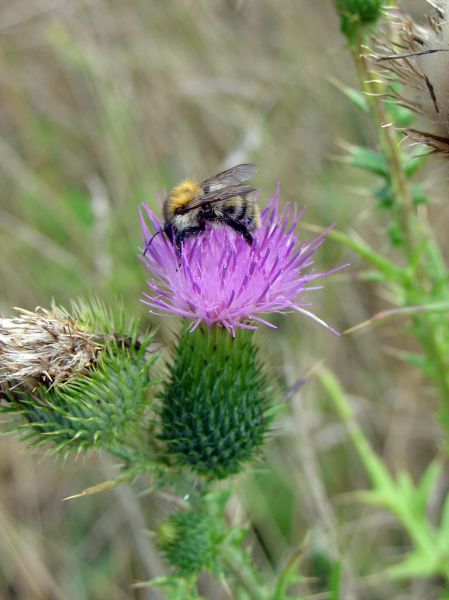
<point>214,409</point>
<point>189,541</point>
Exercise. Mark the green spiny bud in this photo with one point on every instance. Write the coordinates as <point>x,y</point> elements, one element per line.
<point>214,409</point>
<point>355,14</point>
<point>188,540</point>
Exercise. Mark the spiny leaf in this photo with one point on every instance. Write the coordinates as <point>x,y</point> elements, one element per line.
<point>368,160</point>
<point>416,564</point>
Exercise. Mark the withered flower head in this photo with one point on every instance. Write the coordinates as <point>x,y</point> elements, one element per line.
<point>418,59</point>
<point>43,347</point>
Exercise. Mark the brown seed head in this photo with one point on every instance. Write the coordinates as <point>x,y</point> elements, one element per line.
<point>417,57</point>
<point>44,346</point>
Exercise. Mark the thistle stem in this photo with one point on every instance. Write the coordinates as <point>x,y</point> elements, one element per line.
<point>389,145</point>
<point>415,241</point>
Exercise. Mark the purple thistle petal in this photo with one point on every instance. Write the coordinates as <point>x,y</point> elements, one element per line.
<point>221,280</point>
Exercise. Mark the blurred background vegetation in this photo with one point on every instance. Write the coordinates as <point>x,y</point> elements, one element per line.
<point>103,103</point>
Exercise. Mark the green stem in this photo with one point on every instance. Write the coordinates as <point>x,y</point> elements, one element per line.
<point>430,269</point>
<point>390,147</point>
<point>435,353</point>
<point>389,143</point>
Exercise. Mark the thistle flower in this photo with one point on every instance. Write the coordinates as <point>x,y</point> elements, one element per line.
<point>221,280</point>
<point>43,347</point>
<point>419,61</point>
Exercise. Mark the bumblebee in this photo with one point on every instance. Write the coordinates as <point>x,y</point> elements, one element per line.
<point>221,199</point>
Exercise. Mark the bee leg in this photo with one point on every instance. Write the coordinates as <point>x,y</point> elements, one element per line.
<point>239,228</point>
<point>182,235</point>
<point>168,230</point>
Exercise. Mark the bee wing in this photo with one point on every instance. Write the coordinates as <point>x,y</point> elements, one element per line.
<point>231,176</point>
<point>217,195</point>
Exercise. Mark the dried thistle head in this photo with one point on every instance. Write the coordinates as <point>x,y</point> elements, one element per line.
<point>418,59</point>
<point>79,380</point>
<point>44,346</point>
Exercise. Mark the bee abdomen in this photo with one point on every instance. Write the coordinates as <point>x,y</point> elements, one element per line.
<point>252,216</point>
<point>235,208</point>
